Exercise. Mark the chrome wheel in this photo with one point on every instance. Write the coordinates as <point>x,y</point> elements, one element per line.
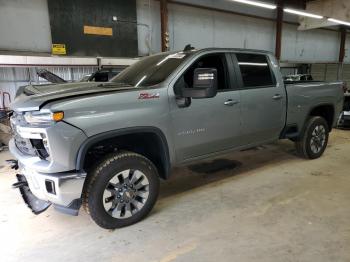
<point>318,139</point>
<point>126,194</point>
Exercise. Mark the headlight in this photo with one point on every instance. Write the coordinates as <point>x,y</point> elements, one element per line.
<point>37,117</point>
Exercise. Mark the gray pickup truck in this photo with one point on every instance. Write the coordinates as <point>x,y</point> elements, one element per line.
<point>106,146</point>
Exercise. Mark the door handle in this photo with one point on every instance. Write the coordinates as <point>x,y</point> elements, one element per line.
<point>230,102</point>
<point>277,97</point>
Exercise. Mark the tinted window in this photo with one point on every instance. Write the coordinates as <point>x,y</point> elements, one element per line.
<point>151,70</point>
<point>217,61</point>
<point>255,70</point>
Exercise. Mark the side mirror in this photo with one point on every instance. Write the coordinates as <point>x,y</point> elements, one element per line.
<point>205,84</point>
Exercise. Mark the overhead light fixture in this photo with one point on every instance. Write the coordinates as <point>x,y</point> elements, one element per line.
<point>338,21</point>
<point>301,13</point>
<point>256,3</point>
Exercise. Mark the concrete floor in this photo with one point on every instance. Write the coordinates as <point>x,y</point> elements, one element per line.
<point>272,206</point>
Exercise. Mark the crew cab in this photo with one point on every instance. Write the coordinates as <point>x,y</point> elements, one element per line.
<point>105,146</point>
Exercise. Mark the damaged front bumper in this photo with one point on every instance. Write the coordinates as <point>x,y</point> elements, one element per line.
<point>62,190</point>
<point>35,204</point>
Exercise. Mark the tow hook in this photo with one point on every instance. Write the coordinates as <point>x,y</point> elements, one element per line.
<point>12,163</point>
<point>19,184</point>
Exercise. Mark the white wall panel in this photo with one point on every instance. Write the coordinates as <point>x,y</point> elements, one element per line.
<point>148,29</point>
<point>309,46</point>
<point>25,25</point>
<point>347,49</point>
<point>204,28</point>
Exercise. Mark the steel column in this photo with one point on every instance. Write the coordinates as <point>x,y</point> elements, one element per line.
<point>164,24</point>
<point>342,44</point>
<point>279,25</point>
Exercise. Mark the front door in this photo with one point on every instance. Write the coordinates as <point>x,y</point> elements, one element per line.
<point>207,125</point>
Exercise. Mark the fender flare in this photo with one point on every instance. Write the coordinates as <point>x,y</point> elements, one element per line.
<point>321,105</point>
<point>120,132</point>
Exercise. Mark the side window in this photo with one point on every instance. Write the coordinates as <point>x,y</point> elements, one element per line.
<point>217,61</point>
<point>255,70</point>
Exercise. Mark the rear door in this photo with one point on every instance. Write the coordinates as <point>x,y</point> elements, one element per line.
<point>263,100</point>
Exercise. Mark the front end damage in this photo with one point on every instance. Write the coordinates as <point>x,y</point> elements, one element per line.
<point>39,191</point>
<point>44,157</point>
<point>35,204</point>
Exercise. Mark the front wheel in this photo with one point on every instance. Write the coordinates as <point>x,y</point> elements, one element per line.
<point>122,190</point>
<point>314,138</point>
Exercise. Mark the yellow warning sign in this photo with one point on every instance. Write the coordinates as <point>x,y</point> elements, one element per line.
<point>96,30</point>
<point>59,49</point>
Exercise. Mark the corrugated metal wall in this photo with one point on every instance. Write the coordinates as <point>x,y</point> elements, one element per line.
<point>327,72</point>
<point>11,78</point>
<point>346,74</point>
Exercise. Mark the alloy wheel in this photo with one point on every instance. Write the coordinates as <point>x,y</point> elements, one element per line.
<point>126,194</point>
<point>318,139</point>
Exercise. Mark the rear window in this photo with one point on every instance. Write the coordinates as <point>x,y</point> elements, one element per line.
<point>255,70</point>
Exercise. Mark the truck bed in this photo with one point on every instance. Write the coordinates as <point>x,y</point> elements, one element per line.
<point>305,96</point>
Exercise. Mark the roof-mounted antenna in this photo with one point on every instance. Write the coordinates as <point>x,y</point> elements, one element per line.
<point>188,47</point>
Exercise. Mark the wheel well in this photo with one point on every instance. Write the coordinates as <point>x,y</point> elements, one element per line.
<point>325,111</point>
<point>148,144</point>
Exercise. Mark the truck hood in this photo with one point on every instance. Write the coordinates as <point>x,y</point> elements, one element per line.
<point>49,76</point>
<point>33,97</point>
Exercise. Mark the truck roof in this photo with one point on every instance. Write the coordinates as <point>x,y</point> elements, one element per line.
<point>222,49</point>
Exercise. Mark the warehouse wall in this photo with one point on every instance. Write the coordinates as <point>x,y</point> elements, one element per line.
<point>316,45</point>
<point>148,19</point>
<point>347,49</point>
<point>11,78</point>
<point>25,25</point>
<point>203,28</point>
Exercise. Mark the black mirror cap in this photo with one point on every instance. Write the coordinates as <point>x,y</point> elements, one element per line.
<point>204,84</point>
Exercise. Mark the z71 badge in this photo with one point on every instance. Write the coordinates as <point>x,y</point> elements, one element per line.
<point>148,95</point>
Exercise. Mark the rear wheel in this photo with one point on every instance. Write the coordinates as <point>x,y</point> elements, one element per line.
<point>314,138</point>
<point>122,190</point>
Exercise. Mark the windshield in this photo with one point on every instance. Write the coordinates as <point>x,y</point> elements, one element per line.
<point>151,70</point>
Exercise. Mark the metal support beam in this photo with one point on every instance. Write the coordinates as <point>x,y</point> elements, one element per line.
<point>341,53</point>
<point>279,24</point>
<point>342,45</point>
<point>164,25</point>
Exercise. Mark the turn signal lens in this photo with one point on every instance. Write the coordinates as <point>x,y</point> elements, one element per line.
<point>58,116</point>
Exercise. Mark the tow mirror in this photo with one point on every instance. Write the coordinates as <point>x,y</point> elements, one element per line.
<point>205,84</point>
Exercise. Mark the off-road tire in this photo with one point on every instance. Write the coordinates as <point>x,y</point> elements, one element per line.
<point>303,144</point>
<point>99,177</point>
